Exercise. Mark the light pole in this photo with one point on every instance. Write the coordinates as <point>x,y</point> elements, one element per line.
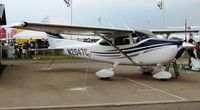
<point>99,19</point>
<point>163,9</point>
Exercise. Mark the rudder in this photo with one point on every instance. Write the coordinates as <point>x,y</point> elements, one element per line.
<point>2,15</point>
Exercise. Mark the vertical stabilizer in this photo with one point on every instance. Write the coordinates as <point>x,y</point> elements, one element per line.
<point>58,41</point>
<point>55,40</point>
<point>2,15</point>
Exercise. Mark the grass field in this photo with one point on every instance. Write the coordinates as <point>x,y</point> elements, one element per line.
<point>64,57</point>
<point>45,57</point>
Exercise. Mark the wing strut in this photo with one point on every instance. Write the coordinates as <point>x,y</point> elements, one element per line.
<point>104,38</point>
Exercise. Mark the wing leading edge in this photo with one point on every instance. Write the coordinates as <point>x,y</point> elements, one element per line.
<point>79,30</point>
<point>171,31</point>
<point>69,29</point>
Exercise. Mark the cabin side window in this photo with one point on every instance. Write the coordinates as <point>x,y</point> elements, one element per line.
<point>139,36</point>
<point>104,43</point>
<point>117,41</point>
<point>122,40</point>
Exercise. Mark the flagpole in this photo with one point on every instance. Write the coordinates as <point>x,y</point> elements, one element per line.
<point>71,14</point>
<point>163,9</point>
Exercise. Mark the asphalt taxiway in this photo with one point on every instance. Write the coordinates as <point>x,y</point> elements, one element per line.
<point>67,85</point>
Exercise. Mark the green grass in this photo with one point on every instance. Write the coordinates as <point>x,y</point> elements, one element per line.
<point>184,67</point>
<point>45,57</point>
<point>56,57</point>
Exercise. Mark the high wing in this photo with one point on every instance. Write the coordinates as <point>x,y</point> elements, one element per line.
<point>82,30</point>
<point>69,29</point>
<point>171,31</point>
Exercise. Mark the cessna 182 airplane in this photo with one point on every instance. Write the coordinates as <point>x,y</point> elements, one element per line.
<point>118,46</point>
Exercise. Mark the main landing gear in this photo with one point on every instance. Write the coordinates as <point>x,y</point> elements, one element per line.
<point>106,73</point>
<point>163,74</point>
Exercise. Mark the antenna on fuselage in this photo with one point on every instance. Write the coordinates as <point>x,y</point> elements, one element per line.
<point>186,30</point>
<point>99,19</point>
<point>111,25</point>
<point>127,26</point>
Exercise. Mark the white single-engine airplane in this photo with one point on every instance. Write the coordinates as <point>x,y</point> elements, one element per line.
<point>117,46</point>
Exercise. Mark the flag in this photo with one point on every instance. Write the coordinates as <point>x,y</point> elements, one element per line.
<point>68,2</point>
<point>13,32</point>
<point>160,5</point>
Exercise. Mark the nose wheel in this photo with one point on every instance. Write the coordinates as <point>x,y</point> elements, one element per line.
<point>163,74</point>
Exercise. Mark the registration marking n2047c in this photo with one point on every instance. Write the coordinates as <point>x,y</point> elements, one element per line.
<point>78,52</point>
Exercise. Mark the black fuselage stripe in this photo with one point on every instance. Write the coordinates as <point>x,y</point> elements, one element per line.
<point>130,51</point>
<point>134,53</point>
<point>151,42</point>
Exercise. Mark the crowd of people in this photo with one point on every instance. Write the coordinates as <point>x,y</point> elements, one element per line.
<point>25,50</point>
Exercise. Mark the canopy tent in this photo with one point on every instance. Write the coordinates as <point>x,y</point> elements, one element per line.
<point>30,35</point>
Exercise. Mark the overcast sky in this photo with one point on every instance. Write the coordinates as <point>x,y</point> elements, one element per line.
<point>134,13</point>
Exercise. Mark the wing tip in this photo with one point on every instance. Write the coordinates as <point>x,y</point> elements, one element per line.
<point>17,25</point>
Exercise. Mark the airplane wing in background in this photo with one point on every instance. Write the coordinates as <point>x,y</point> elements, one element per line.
<point>172,31</point>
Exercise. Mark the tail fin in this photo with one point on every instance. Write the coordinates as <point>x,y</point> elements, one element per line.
<point>58,41</point>
<point>2,15</point>
<point>54,40</point>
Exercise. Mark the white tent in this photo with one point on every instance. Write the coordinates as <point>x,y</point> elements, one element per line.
<point>30,34</point>
<point>26,34</point>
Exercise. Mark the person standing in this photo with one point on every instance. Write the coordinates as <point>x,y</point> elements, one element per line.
<point>190,51</point>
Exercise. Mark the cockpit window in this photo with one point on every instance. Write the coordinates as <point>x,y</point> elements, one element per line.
<point>141,35</point>
<point>122,40</point>
<point>103,42</point>
<point>117,41</point>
